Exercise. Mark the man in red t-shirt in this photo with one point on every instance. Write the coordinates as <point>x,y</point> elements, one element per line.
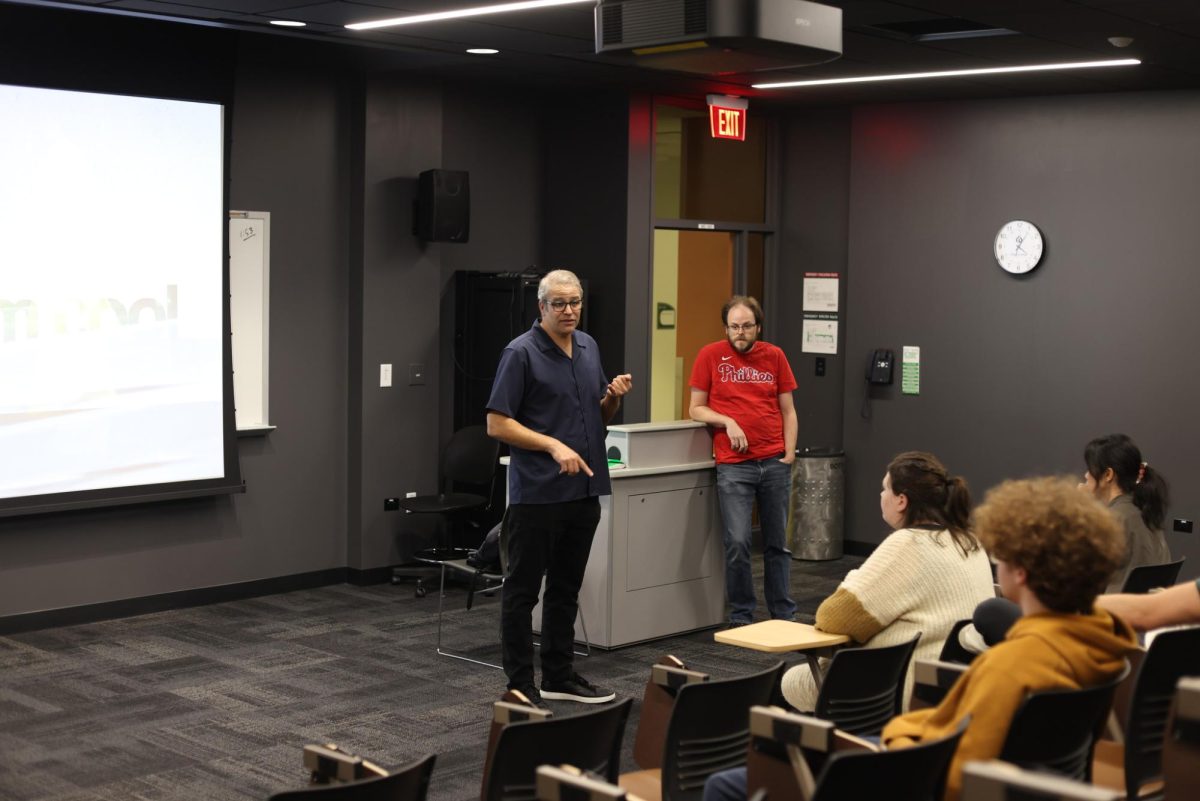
<point>742,387</point>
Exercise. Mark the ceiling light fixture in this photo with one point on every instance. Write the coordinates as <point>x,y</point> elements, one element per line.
<point>912,76</point>
<point>288,23</point>
<point>478,11</point>
<point>482,51</point>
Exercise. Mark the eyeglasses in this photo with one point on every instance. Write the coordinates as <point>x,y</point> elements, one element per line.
<point>747,327</point>
<point>559,304</point>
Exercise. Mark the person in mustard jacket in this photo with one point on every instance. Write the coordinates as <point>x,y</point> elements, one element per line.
<point>1055,549</point>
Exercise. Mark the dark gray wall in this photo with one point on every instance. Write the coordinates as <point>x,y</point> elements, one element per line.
<point>1018,374</point>
<point>585,160</point>
<point>813,226</point>
<point>495,135</point>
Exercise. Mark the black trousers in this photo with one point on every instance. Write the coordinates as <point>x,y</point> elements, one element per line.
<point>551,540</point>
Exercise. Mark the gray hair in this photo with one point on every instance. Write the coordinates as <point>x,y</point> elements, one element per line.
<point>558,278</point>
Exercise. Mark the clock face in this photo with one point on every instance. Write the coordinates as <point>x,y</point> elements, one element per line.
<point>1018,246</point>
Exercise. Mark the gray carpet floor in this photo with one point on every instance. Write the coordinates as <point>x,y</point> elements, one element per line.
<point>216,702</point>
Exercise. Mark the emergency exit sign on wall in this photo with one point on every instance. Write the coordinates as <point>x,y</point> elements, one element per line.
<point>727,117</point>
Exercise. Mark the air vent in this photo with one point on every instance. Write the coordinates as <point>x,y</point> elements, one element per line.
<point>653,21</point>
<point>935,30</point>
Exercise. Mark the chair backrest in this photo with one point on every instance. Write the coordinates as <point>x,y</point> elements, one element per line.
<point>709,730</point>
<point>952,650</point>
<point>915,773</point>
<point>1172,655</point>
<point>1000,781</point>
<point>1144,578</point>
<point>471,457</point>
<point>591,741</point>
<point>1181,747</point>
<point>566,784</point>
<point>410,783</point>
<point>863,688</point>
<point>1056,730</point>
<point>513,706</point>
<point>932,682</point>
<point>658,701</point>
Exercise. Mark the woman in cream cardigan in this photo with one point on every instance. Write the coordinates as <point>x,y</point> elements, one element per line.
<point>927,574</point>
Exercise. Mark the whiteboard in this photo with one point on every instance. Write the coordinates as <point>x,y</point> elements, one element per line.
<point>249,302</point>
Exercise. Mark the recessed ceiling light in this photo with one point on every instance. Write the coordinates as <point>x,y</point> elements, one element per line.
<point>288,23</point>
<point>482,51</point>
<point>477,11</point>
<point>914,76</point>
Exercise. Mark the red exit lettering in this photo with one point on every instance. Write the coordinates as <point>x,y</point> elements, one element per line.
<point>727,123</point>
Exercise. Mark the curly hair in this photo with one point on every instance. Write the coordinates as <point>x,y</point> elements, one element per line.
<point>1065,540</point>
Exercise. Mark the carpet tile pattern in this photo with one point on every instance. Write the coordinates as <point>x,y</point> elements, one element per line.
<point>216,702</point>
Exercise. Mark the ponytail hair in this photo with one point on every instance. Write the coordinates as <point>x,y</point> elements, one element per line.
<point>1135,478</point>
<point>934,496</point>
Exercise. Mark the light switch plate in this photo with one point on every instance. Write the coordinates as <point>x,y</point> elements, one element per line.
<point>385,375</point>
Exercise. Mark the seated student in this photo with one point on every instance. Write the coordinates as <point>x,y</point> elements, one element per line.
<point>1137,496</point>
<point>1170,607</point>
<point>927,574</point>
<point>1054,549</point>
<point>1135,493</point>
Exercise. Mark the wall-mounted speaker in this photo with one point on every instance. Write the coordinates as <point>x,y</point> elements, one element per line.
<point>442,209</point>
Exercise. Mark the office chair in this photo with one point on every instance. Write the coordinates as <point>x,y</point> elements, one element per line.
<point>1181,746</point>
<point>590,740</point>
<point>932,680</point>
<point>707,732</point>
<point>1056,730</point>
<point>1135,766</point>
<point>864,687</point>
<point>410,783</point>
<point>952,649</point>
<point>471,457</point>
<point>568,783</point>
<point>999,781</point>
<point>800,757</point>
<point>1144,578</point>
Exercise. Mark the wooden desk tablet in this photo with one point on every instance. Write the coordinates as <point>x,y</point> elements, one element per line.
<point>780,636</point>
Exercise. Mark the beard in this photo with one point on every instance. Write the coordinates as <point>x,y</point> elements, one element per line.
<point>743,342</point>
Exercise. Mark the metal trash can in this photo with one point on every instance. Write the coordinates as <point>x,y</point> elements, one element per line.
<point>816,505</point>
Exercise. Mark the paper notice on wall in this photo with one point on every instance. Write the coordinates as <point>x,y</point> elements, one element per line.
<point>910,370</point>
<point>820,292</point>
<point>819,336</point>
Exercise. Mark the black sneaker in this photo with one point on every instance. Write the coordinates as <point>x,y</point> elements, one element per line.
<point>528,694</point>
<point>576,688</point>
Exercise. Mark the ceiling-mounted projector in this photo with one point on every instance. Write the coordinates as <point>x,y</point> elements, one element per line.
<point>719,37</point>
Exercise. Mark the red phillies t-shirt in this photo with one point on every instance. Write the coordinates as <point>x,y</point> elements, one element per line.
<point>746,387</point>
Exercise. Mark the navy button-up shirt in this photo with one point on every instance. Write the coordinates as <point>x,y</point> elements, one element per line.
<point>542,389</point>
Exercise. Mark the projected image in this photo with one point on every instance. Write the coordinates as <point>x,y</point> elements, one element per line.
<point>111,227</point>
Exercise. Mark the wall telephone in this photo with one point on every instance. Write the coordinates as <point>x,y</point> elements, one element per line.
<point>879,370</point>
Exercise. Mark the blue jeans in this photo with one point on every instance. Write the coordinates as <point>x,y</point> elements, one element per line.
<point>768,480</point>
<point>726,785</point>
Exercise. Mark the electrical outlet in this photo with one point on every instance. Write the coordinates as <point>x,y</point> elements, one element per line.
<point>391,504</point>
<point>1182,525</point>
<point>410,495</point>
<point>416,375</point>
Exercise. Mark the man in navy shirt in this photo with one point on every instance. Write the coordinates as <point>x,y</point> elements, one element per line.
<point>550,403</point>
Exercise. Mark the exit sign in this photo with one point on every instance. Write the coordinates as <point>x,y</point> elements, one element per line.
<point>727,117</point>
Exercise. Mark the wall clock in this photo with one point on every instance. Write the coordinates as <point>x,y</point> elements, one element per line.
<point>1018,246</point>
